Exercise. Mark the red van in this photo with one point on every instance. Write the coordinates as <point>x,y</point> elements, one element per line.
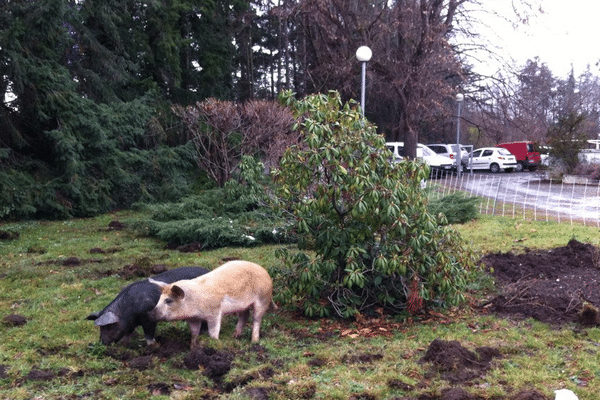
<point>525,153</point>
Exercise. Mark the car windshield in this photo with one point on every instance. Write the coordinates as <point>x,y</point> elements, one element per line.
<point>427,152</point>
<point>504,152</point>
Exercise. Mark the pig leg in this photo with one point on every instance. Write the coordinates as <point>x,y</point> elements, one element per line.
<point>149,328</point>
<point>195,326</point>
<point>214,325</point>
<point>242,319</point>
<point>260,308</point>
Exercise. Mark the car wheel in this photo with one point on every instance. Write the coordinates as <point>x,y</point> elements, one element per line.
<point>519,167</point>
<point>494,168</point>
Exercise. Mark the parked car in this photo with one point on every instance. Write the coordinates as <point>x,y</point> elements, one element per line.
<point>449,150</point>
<point>526,154</point>
<point>435,161</point>
<point>494,159</point>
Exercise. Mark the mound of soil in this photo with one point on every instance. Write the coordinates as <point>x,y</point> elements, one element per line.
<point>194,247</point>
<point>116,225</point>
<point>555,286</point>
<point>9,235</point>
<point>213,363</point>
<point>455,363</point>
<point>558,286</point>
<point>15,320</point>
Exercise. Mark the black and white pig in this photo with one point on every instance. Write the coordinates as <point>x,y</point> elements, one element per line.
<point>131,306</point>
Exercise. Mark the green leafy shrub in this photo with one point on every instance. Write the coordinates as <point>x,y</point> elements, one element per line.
<point>365,218</point>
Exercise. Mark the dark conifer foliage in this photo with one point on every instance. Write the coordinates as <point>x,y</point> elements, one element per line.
<point>76,134</point>
<point>87,87</point>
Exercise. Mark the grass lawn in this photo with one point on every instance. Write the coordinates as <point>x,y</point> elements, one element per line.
<point>49,276</point>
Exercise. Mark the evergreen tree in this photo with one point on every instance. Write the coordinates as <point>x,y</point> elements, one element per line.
<point>105,59</point>
<point>77,147</point>
<point>33,44</point>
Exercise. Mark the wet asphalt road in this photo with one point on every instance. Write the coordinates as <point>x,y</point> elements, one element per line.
<point>532,190</point>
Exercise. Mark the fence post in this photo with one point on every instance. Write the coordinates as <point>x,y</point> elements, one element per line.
<point>496,197</point>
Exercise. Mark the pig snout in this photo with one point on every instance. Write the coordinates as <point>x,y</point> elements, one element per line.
<point>111,329</point>
<point>156,314</point>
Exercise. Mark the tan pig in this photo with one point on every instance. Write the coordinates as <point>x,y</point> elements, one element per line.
<point>234,287</point>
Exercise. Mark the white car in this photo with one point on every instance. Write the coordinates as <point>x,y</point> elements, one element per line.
<point>494,159</point>
<point>435,161</point>
<point>449,150</point>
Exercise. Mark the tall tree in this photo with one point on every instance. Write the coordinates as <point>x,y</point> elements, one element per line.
<point>532,110</point>
<point>420,63</point>
<point>76,149</point>
<point>589,95</point>
<point>413,67</point>
<point>208,53</point>
<point>535,105</point>
<point>518,107</point>
<point>105,58</point>
<point>33,45</point>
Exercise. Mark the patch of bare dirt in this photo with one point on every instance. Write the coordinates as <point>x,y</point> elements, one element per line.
<point>194,247</point>
<point>213,363</point>
<point>14,320</point>
<point>557,286</point>
<point>456,364</point>
<point>138,270</point>
<point>9,235</point>
<point>116,225</point>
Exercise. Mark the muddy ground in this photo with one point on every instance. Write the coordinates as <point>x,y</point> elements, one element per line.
<point>558,287</point>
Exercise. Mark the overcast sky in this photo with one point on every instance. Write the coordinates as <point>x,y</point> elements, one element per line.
<point>566,33</point>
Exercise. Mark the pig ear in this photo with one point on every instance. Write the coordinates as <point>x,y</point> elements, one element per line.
<point>106,319</point>
<point>177,292</point>
<point>93,316</point>
<point>159,283</point>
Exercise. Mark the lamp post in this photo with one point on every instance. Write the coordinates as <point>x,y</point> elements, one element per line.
<point>363,54</point>
<point>459,98</point>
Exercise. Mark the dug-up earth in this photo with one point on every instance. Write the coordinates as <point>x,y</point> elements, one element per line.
<point>558,287</point>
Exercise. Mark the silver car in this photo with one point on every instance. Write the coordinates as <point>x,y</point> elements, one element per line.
<point>494,159</point>
<point>449,150</point>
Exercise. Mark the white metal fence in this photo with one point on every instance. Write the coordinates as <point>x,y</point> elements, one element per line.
<point>527,196</point>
